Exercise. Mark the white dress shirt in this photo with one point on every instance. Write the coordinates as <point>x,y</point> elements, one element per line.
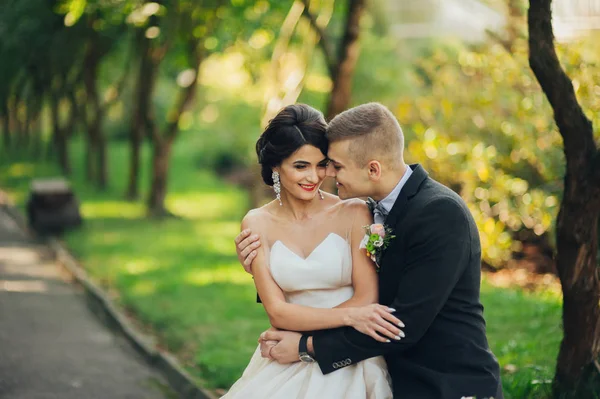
<point>388,202</point>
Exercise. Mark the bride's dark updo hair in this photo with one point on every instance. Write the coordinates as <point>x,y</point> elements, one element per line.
<point>293,127</point>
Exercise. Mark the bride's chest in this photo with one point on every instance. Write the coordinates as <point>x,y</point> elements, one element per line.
<point>326,266</point>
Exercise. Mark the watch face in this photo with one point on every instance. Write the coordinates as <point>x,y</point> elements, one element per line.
<point>306,358</point>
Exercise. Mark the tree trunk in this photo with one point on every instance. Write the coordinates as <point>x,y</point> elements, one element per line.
<point>90,170</point>
<point>144,88</point>
<point>162,142</point>
<point>24,122</point>
<point>341,69</point>
<point>577,371</point>
<point>97,150</point>
<point>102,159</point>
<point>96,140</point>
<point>34,110</point>
<point>134,165</point>
<point>59,137</point>
<point>36,136</point>
<point>90,149</point>
<point>161,150</point>
<point>13,118</point>
<point>5,127</point>
<point>349,50</point>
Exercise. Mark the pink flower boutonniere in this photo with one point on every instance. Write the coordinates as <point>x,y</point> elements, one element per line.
<point>377,238</point>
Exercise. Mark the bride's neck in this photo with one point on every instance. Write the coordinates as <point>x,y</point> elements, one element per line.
<point>296,209</point>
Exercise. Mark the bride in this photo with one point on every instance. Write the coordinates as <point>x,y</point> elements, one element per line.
<point>310,273</point>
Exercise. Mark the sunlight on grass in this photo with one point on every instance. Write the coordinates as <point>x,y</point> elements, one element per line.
<point>141,266</point>
<point>218,237</point>
<point>20,170</point>
<point>144,288</point>
<point>112,209</point>
<point>232,274</point>
<point>203,205</point>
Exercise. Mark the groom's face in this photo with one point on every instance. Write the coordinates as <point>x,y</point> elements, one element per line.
<point>352,181</point>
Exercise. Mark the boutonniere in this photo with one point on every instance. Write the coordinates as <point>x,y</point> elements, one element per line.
<point>377,238</point>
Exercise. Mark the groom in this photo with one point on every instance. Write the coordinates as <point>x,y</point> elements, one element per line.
<point>430,272</point>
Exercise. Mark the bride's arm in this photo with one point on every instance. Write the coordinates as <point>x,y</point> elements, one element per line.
<point>365,282</point>
<point>281,314</point>
<point>294,317</point>
<point>364,272</point>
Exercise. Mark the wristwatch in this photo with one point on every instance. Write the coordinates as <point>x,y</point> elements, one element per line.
<point>303,350</point>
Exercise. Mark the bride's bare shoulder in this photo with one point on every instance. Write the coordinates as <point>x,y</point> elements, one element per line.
<point>354,207</point>
<point>349,206</point>
<point>255,218</point>
<point>354,204</point>
<point>260,217</point>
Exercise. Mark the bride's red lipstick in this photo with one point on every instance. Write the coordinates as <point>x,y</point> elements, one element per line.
<point>308,188</point>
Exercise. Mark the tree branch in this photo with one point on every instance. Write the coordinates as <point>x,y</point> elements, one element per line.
<point>348,52</point>
<point>506,44</point>
<point>324,40</point>
<point>186,95</point>
<point>120,84</point>
<point>574,126</point>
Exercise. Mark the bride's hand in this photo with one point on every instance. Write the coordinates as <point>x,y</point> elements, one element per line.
<point>376,321</point>
<point>265,348</point>
<point>266,345</point>
<point>261,337</point>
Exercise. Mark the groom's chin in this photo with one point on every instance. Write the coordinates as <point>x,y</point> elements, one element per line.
<point>342,193</point>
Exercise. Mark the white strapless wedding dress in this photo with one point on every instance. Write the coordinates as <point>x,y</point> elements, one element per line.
<point>321,280</point>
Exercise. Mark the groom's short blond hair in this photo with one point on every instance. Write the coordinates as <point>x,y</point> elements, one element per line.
<point>374,134</point>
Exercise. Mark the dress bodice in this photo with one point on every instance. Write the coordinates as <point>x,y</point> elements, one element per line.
<point>322,280</point>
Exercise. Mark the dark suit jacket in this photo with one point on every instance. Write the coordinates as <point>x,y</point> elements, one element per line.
<point>430,273</point>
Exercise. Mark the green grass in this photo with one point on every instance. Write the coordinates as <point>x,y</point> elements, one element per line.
<point>524,331</point>
<point>180,277</point>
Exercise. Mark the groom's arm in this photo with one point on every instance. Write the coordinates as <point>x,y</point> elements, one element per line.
<point>437,252</point>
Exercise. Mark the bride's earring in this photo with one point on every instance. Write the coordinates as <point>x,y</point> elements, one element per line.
<point>321,195</point>
<point>277,186</point>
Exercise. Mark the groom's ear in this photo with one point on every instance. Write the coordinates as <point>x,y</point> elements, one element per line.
<point>374,168</point>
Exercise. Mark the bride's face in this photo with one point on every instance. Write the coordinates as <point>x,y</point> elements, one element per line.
<point>302,173</point>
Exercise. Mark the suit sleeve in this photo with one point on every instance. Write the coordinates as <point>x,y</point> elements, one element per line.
<point>438,250</point>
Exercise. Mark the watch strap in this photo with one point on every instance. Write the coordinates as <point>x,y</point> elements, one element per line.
<point>303,345</point>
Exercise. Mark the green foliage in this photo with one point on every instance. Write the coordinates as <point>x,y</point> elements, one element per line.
<point>34,44</point>
<point>480,124</point>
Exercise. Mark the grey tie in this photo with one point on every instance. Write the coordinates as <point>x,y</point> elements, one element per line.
<point>379,214</point>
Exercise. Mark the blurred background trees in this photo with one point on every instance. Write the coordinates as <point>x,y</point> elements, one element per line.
<point>131,79</point>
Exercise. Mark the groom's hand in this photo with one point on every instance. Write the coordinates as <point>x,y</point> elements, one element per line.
<point>245,245</point>
<point>286,351</point>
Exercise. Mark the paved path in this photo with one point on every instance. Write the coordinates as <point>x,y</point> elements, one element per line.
<point>51,345</point>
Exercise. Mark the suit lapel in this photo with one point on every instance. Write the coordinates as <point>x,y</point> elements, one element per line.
<point>408,191</point>
<point>388,276</point>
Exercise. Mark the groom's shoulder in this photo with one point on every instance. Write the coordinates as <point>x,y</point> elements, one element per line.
<point>434,194</point>
<point>432,189</point>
